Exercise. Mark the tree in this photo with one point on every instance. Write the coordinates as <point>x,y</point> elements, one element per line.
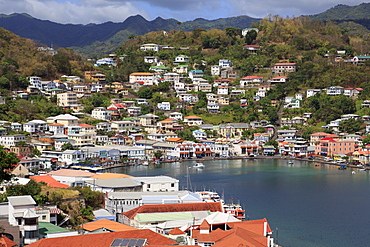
<point>250,37</point>
<point>145,93</point>
<point>272,142</point>
<point>366,140</point>
<point>67,146</point>
<point>36,152</point>
<point>351,125</point>
<point>7,160</point>
<point>158,154</point>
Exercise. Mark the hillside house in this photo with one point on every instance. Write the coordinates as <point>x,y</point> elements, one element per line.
<point>151,59</point>
<point>193,120</point>
<point>193,74</point>
<point>284,68</point>
<point>252,49</point>
<point>145,77</point>
<point>278,79</point>
<point>251,81</point>
<point>150,47</point>
<point>182,59</point>
<point>334,90</point>
<point>215,70</point>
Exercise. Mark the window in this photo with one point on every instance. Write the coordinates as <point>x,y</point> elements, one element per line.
<point>31,234</point>
<point>172,185</point>
<point>30,222</point>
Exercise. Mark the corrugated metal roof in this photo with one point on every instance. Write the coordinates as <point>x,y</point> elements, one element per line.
<point>21,200</point>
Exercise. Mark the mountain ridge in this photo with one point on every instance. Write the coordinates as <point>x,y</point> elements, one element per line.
<point>48,32</point>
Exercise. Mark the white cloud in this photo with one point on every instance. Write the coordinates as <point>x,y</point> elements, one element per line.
<point>98,11</point>
<point>79,12</point>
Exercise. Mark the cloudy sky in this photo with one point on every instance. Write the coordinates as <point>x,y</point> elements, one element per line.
<point>99,11</point>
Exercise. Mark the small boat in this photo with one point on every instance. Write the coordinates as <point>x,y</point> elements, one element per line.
<point>353,172</point>
<point>343,167</point>
<point>198,165</point>
<point>362,170</point>
<point>145,163</point>
<point>234,210</point>
<point>290,162</point>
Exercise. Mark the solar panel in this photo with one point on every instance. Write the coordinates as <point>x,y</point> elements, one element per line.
<point>128,242</point>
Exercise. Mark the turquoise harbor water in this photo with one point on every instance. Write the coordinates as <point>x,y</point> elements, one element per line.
<point>306,205</point>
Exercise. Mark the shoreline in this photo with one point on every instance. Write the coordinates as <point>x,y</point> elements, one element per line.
<point>317,160</point>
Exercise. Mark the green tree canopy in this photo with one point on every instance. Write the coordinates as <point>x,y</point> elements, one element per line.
<point>7,160</point>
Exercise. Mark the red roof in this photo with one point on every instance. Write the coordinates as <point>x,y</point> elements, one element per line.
<point>104,239</point>
<point>252,77</point>
<point>85,125</point>
<point>6,242</point>
<point>205,225</point>
<point>119,106</point>
<point>244,233</point>
<point>49,180</point>
<point>180,207</point>
<point>192,117</point>
<point>279,77</point>
<point>176,231</point>
<point>279,64</point>
<point>57,124</point>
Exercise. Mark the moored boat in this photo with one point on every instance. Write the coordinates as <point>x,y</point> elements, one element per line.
<point>235,210</point>
<point>198,165</point>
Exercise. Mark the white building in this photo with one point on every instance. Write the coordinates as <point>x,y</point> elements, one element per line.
<point>35,82</point>
<point>312,92</point>
<point>223,63</point>
<point>105,61</point>
<point>176,115</point>
<point>101,113</point>
<point>181,59</point>
<point>21,212</point>
<point>164,106</point>
<point>150,47</point>
<point>215,70</point>
<point>11,140</point>
<point>334,90</point>
<point>145,77</point>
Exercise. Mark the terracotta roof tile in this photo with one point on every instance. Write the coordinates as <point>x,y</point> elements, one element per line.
<point>6,242</point>
<point>104,239</point>
<point>180,207</point>
<point>49,180</point>
<point>205,225</point>
<point>176,231</point>
<point>107,224</point>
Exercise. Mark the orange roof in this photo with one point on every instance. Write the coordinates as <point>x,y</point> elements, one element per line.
<point>6,242</point>
<point>107,224</point>
<point>110,175</point>
<point>244,233</point>
<point>141,73</point>
<point>85,125</point>
<point>173,139</point>
<point>205,225</point>
<point>213,236</point>
<point>57,124</point>
<point>252,77</point>
<point>279,77</point>
<point>71,173</point>
<point>279,64</point>
<point>104,239</point>
<point>49,180</point>
<point>176,231</point>
<point>193,116</point>
<point>181,207</point>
